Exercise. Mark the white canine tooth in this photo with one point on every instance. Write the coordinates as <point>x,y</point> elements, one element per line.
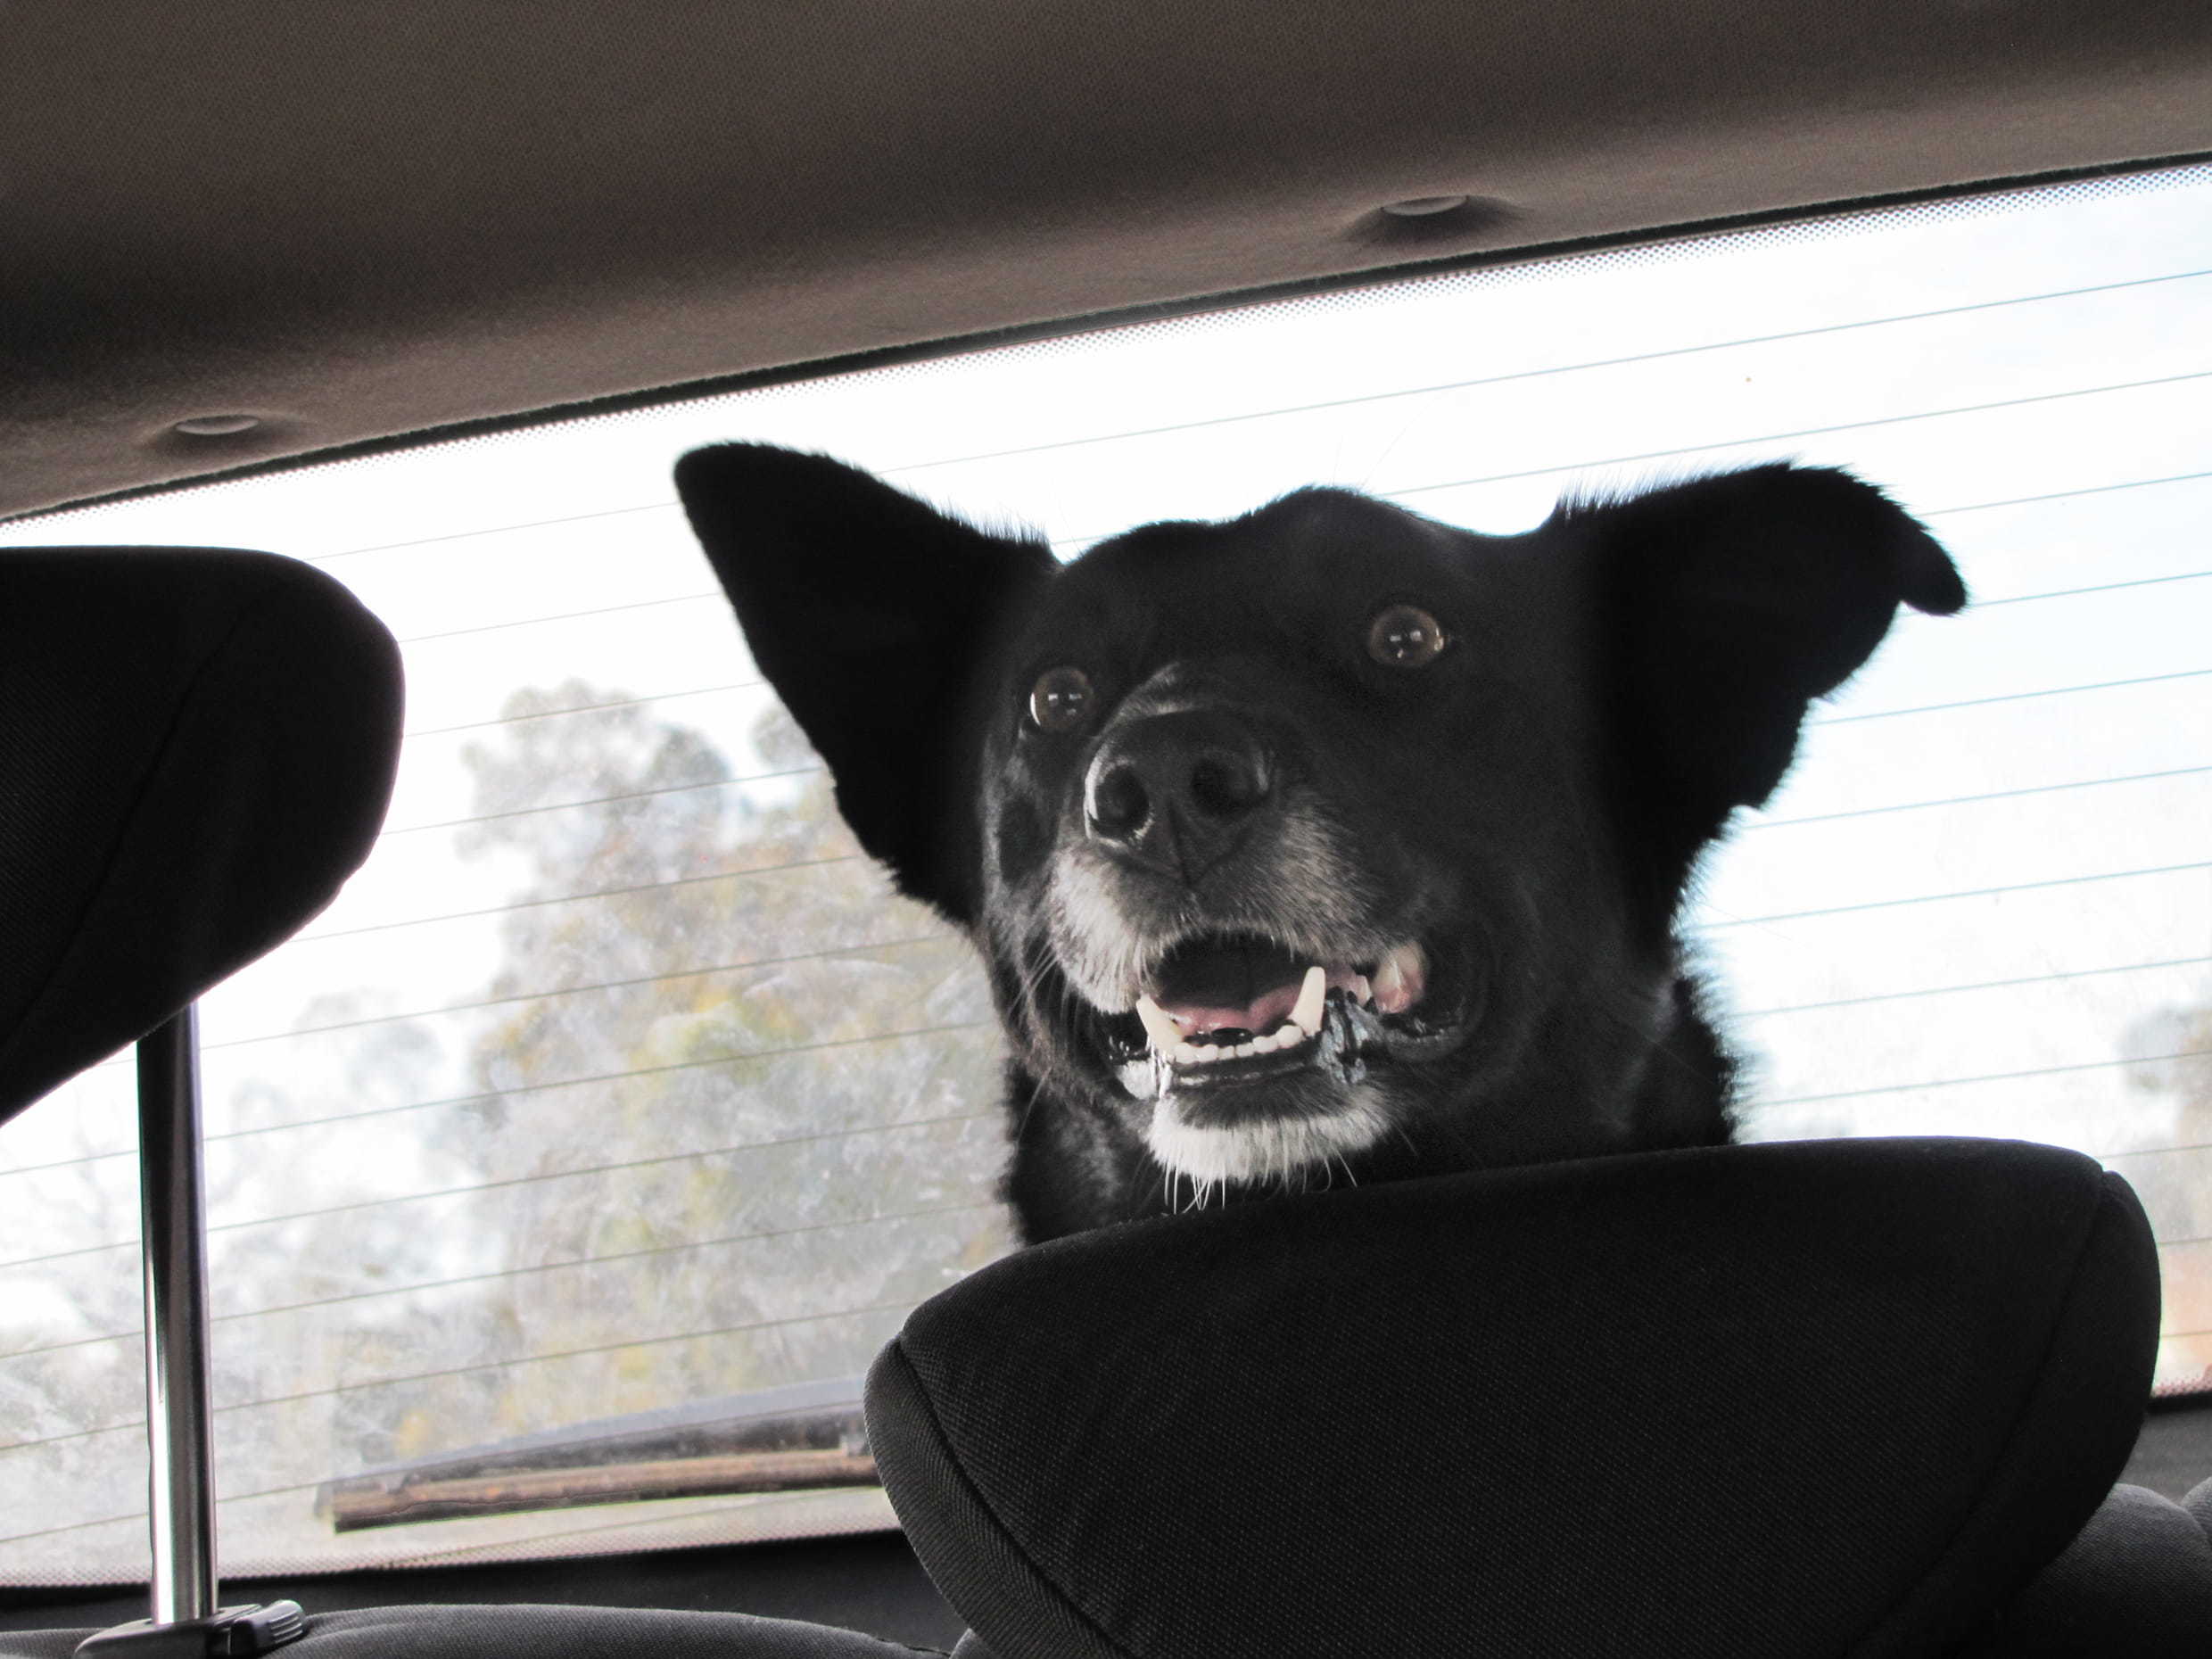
<point>1362,989</point>
<point>1308,1012</point>
<point>1158,1026</point>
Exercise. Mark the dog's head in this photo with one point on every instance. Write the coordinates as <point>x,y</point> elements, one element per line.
<point>1327,836</point>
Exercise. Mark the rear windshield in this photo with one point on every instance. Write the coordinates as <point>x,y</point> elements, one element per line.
<point>619,1086</point>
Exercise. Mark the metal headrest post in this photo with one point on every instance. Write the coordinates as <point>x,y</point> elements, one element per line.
<point>180,1428</point>
<point>179,1418</point>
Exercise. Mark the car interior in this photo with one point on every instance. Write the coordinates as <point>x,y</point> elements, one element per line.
<point>487,1165</point>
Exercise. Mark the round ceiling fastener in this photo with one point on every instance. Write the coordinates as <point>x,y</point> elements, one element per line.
<point>1423,207</point>
<point>217,425</point>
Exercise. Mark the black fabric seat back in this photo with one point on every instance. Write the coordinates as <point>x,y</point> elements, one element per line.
<point>1806,1399</point>
<point>196,747</point>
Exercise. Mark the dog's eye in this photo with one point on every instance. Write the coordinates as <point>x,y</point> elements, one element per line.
<point>1060,700</point>
<point>1404,636</point>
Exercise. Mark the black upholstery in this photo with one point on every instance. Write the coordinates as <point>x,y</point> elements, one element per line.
<point>196,747</point>
<point>1808,1399</point>
<point>2136,1584</point>
<point>537,1632</point>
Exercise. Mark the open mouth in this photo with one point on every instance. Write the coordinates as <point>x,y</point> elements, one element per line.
<point>1225,1009</point>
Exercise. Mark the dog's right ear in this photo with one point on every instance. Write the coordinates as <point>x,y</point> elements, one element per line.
<point>870,613</point>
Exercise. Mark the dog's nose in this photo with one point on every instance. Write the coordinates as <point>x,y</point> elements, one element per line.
<point>1177,792</point>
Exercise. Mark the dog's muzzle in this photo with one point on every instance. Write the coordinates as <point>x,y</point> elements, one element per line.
<point>1237,967</point>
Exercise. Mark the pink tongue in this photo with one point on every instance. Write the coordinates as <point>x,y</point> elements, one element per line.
<point>1258,1017</point>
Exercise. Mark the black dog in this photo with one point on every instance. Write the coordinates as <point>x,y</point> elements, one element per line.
<point>1328,838</point>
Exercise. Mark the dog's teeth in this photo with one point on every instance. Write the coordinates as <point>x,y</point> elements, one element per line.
<point>1185,1055</point>
<point>1158,1026</point>
<point>1362,989</point>
<point>1401,977</point>
<point>1245,1050</point>
<point>1387,979</point>
<point>1306,1014</point>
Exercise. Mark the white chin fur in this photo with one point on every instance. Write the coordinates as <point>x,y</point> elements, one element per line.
<point>1272,1150</point>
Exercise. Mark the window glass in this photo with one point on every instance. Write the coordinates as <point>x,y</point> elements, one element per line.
<point>617,1081</point>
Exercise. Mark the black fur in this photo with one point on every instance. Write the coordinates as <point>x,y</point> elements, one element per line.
<point>1248,784</point>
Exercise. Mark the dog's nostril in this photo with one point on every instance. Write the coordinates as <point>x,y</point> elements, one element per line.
<point>1117,804</point>
<point>1224,786</point>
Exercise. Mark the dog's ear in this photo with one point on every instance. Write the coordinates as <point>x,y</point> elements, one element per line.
<point>870,613</point>
<point>1731,603</point>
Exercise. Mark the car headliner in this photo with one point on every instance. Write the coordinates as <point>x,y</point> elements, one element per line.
<point>354,222</point>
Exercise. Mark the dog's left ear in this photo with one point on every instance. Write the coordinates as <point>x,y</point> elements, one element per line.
<point>871,614</point>
<point>1732,602</point>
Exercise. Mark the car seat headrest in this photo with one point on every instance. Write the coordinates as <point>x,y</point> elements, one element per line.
<point>196,748</point>
<point>1834,1398</point>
